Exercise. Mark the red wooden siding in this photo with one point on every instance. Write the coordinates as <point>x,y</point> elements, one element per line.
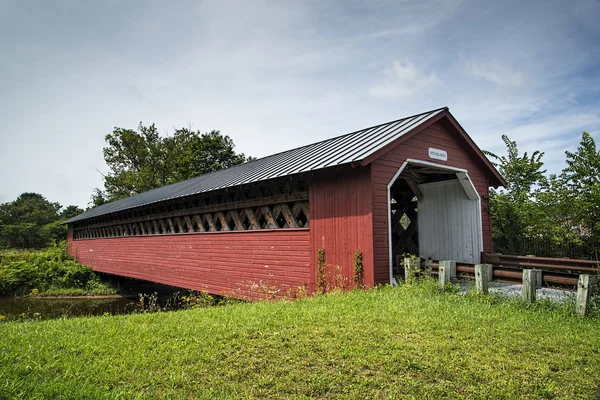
<point>220,263</point>
<point>439,135</point>
<point>341,220</point>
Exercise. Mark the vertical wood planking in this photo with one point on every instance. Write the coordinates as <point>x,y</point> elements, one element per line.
<point>341,220</point>
<point>448,223</point>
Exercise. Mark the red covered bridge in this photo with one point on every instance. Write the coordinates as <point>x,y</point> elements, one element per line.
<point>418,184</point>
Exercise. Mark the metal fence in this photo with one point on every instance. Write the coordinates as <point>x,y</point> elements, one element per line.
<point>585,249</point>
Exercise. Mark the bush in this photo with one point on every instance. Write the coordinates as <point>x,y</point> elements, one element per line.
<point>53,268</point>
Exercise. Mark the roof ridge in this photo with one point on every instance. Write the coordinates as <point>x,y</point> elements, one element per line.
<point>267,167</point>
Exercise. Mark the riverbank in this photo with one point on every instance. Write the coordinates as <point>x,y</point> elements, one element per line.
<point>405,342</point>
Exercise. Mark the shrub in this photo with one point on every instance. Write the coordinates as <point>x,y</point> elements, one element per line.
<point>21,272</point>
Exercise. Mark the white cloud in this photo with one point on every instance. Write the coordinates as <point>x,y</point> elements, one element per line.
<point>404,79</point>
<point>276,75</point>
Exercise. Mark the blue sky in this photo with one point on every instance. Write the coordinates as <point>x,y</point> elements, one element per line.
<point>275,75</point>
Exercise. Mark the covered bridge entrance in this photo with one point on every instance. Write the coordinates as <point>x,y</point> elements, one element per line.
<point>418,184</point>
<point>435,212</point>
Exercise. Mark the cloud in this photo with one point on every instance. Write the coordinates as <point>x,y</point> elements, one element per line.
<point>276,75</point>
<point>498,74</point>
<point>403,79</point>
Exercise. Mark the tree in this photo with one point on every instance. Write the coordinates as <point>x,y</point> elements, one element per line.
<point>142,160</point>
<point>98,198</point>
<point>580,182</point>
<point>30,221</point>
<point>29,208</point>
<point>514,211</point>
<point>70,212</point>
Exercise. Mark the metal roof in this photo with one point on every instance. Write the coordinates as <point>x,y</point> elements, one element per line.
<point>348,148</point>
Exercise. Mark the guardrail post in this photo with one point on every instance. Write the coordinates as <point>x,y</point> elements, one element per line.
<point>412,266</point>
<point>585,287</point>
<point>530,280</point>
<point>444,271</point>
<point>450,267</point>
<point>483,276</point>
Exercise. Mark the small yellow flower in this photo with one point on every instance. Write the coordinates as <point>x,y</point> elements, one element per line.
<point>2,317</point>
<point>34,291</point>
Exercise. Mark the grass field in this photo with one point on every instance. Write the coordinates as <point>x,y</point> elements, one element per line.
<point>407,342</point>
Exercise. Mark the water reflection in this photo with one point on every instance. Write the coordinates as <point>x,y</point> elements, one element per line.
<point>49,308</point>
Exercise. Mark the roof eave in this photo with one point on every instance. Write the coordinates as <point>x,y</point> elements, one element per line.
<point>496,180</point>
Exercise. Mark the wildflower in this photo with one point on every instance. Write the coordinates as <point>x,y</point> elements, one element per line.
<point>2,317</point>
<point>34,291</point>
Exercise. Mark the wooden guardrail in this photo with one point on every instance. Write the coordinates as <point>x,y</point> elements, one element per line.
<point>556,272</point>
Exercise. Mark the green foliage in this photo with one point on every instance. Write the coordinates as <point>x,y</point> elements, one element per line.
<point>321,270</point>
<point>358,268</point>
<point>142,160</point>
<point>521,172</point>
<point>412,341</point>
<point>29,208</point>
<point>70,212</point>
<point>189,301</point>
<point>513,210</point>
<point>48,270</point>
<point>581,187</point>
<point>32,222</point>
<point>561,210</point>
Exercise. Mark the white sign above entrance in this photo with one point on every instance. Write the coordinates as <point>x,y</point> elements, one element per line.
<point>438,154</point>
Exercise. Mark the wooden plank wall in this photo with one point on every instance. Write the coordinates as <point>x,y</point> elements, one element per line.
<point>220,263</point>
<point>440,135</point>
<point>341,220</point>
<point>448,223</point>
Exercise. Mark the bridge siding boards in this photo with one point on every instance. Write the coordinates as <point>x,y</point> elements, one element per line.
<point>348,211</point>
<point>215,262</point>
<point>341,220</point>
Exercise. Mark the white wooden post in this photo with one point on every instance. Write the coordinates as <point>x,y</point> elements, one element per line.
<point>483,276</point>
<point>530,279</point>
<point>450,267</point>
<point>585,287</point>
<point>444,273</point>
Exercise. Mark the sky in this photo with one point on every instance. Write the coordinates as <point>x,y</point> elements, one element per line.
<point>274,75</point>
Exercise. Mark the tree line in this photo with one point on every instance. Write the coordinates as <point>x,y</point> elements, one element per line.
<point>552,212</point>
<point>138,160</point>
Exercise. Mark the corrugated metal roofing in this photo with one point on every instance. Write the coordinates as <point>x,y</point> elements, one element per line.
<point>348,148</point>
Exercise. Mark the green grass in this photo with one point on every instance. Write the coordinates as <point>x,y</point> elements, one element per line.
<point>407,342</point>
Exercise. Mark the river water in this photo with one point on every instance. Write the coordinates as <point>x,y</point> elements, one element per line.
<point>28,308</point>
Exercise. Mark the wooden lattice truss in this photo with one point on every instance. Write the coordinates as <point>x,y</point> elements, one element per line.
<point>404,222</point>
<point>271,205</point>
